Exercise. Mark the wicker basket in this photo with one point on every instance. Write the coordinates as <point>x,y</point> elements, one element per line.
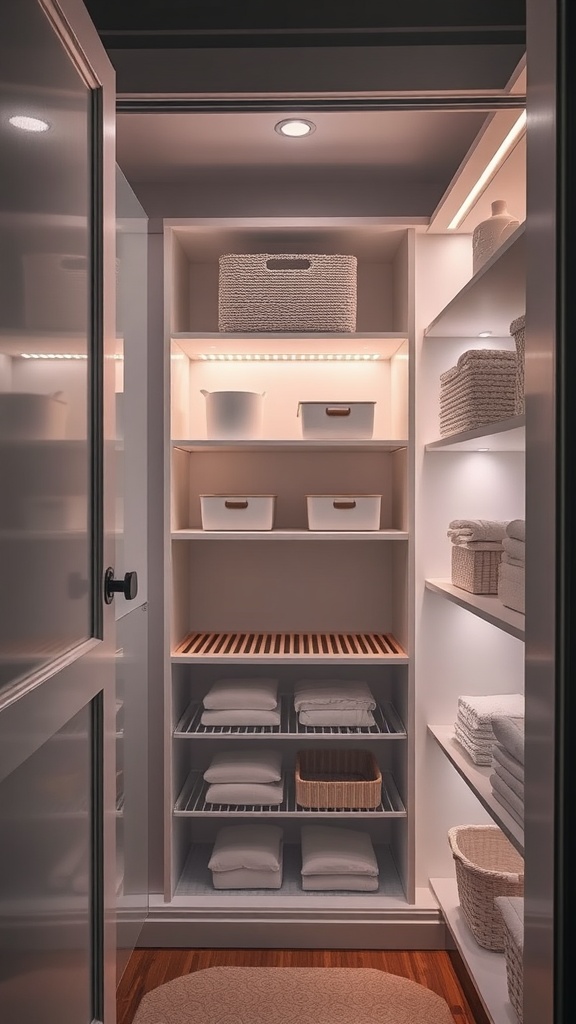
<point>517,330</point>
<point>338,779</point>
<point>512,911</point>
<point>487,866</point>
<point>475,571</point>
<point>294,292</point>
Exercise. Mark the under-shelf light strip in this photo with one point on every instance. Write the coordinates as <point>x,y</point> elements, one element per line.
<point>277,357</point>
<point>63,355</point>
<point>500,155</point>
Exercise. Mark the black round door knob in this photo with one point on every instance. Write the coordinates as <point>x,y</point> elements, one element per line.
<point>127,586</point>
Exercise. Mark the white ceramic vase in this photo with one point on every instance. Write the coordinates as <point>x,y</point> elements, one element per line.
<point>489,234</point>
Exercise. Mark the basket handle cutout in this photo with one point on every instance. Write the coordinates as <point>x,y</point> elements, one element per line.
<point>285,263</point>
<point>338,410</point>
<point>344,504</point>
<point>235,504</point>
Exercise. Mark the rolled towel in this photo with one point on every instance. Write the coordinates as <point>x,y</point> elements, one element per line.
<point>509,733</point>
<point>504,758</point>
<point>477,529</point>
<point>514,548</point>
<point>517,529</point>
<point>512,573</point>
<point>477,711</point>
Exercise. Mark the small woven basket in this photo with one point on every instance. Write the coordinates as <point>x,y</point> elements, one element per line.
<point>512,910</point>
<point>287,292</point>
<point>339,779</point>
<point>475,571</point>
<point>517,330</point>
<point>487,866</point>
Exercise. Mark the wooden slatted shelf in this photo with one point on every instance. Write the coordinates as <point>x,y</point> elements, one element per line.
<point>290,646</point>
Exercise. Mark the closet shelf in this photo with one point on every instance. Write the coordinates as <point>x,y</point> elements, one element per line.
<point>477,777</point>
<point>486,969</point>
<point>192,801</point>
<point>388,724</point>
<point>491,299</point>
<point>289,535</point>
<point>504,436</point>
<point>292,445</point>
<point>485,606</point>
<point>204,344</point>
<point>331,648</point>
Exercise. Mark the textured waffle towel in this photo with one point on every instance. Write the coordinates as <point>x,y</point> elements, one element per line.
<point>504,758</point>
<point>517,529</point>
<point>460,530</point>
<point>515,548</point>
<point>477,711</point>
<point>509,732</point>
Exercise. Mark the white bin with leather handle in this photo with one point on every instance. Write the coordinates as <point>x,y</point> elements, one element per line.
<point>343,511</point>
<point>325,421</point>
<point>237,511</point>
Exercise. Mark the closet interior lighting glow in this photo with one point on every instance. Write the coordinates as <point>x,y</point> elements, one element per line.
<point>53,355</point>
<point>485,334</point>
<point>28,124</point>
<point>295,127</point>
<point>276,357</point>
<point>490,169</point>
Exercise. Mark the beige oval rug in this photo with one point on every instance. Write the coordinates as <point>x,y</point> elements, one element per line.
<point>292,995</point>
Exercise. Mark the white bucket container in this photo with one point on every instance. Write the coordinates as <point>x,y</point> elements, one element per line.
<point>25,416</point>
<point>330,420</point>
<point>233,415</point>
<point>237,511</point>
<point>343,511</point>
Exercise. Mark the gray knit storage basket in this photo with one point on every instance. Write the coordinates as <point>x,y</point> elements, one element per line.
<point>512,911</point>
<point>475,571</point>
<point>479,389</point>
<point>517,330</point>
<point>487,866</point>
<point>287,292</point>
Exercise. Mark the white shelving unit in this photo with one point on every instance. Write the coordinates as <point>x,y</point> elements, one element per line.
<point>289,603</point>
<point>477,640</point>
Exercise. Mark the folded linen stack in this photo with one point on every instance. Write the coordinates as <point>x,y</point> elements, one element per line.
<point>247,857</point>
<point>507,778</point>
<point>242,702</point>
<point>479,389</point>
<point>476,553</point>
<point>245,777</point>
<point>512,568</point>
<point>473,727</point>
<point>478,534</point>
<point>329,702</point>
<point>338,858</point>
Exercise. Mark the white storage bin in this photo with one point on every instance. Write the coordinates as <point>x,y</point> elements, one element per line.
<point>233,415</point>
<point>327,420</point>
<point>237,511</point>
<point>344,511</point>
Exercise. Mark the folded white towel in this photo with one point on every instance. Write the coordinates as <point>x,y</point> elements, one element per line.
<point>517,529</point>
<point>514,784</point>
<point>518,818</point>
<point>480,734</point>
<point>358,718</point>
<point>514,548</point>
<point>477,545</point>
<point>510,763</point>
<point>512,573</point>
<point>508,560</point>
<point>512,798</point>
<point>511,594</point>
<point>477,529</point>
<point>479,755</point>
<point>335,694</point>
<point>478,710</point>
<point>509,733</point>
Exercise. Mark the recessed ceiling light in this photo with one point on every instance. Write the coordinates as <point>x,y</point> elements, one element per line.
<point>295,128</point>
<point>485,334</point>
<point>28,124</point>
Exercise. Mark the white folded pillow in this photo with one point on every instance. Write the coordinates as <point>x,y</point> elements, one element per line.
<point>256,794</point>
<point>245,766</point>
<point>253,694</point>
<point>329,850</point>
<point>256,847</point>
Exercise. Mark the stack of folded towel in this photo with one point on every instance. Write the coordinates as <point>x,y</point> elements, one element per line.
<point>507,778</point>
<point>479,389</point>
<point>338,858</point>
<point>334,702</point>
<point>247,857</point>
<point>242,702</point>
<point>240,777</point>
<point>473,727</point>
<point>512,568</point>
<point>478,534</point>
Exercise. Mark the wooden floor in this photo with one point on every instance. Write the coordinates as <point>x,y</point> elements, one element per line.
<point>148,968</point>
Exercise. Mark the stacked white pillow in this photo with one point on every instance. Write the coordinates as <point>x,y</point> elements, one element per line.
<point>240,777</point>
<point>242,702</point>
<point>338,858</point>
<point>247,857</point>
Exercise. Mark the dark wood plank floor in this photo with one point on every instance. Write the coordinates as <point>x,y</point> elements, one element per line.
<point>148,968</point>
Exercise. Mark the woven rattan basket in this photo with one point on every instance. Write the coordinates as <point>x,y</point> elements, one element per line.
<point>517,330</point>
<point>487,866</point>
<point>287,292</point>
<point>475,571</point>
<point>512,911</point>
<point>339,779</point>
